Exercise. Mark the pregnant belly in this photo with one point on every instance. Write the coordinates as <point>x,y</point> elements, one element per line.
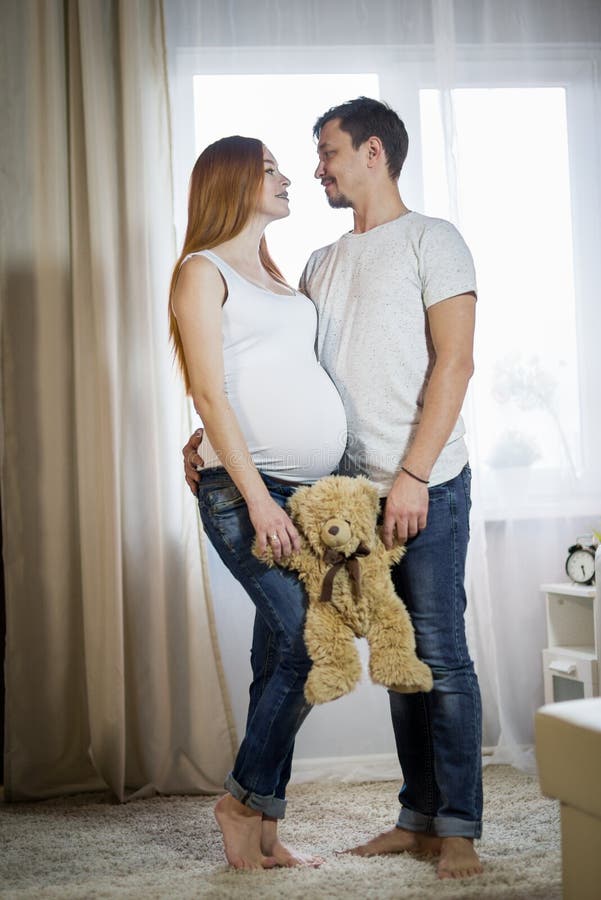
<point>294,426</point>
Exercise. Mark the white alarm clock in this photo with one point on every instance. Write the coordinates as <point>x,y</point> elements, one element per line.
<point>580,564</point>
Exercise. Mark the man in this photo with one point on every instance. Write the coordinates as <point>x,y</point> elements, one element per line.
<point>396,304</point>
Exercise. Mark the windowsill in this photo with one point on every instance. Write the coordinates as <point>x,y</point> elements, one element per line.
<point>552,509</point>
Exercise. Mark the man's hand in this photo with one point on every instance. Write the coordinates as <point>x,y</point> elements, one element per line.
<point>192,461</point>
<point>406,510</point>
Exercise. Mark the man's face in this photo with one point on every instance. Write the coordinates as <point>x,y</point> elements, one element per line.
<point>341,168</point>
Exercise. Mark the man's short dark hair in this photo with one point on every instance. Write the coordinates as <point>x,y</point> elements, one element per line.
<point>364,118</point>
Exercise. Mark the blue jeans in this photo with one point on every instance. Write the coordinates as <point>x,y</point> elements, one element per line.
<point>279,659</point>
<point>438,735</point>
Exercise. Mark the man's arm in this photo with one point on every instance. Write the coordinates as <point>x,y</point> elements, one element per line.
<point>451,324</point>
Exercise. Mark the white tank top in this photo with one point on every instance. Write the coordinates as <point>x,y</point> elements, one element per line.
<point>288,409</point>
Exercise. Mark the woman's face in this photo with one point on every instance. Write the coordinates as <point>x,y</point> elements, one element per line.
<point>273,200</point>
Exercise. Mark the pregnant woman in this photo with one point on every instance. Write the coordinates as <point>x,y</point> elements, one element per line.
<point>244,342</point>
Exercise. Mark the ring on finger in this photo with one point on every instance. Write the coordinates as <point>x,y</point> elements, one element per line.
<point>273,538</point>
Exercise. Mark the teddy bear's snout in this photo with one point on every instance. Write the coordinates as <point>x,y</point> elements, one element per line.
<point>336,533</point>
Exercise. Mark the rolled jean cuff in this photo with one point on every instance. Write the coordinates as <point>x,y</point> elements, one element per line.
<point>441,826</point>
<point>270,806</point>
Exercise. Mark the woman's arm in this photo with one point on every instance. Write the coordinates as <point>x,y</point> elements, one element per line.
<point>197,305</point>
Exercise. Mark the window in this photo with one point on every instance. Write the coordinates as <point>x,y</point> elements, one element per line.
<point>513,195</point>
<point>519,178</point>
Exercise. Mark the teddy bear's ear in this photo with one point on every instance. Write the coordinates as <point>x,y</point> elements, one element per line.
<point>295,502</point>
<point>369,487</point>
<point>370,492</point>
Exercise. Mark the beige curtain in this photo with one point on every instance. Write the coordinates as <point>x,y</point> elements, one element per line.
<point>112,669</point>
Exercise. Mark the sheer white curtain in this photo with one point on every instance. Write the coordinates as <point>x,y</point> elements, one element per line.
<point>528,506</point>
<point>532,411</point>
<point>113,675</point>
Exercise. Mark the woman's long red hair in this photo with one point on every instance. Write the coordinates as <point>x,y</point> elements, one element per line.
<point>224,190</point>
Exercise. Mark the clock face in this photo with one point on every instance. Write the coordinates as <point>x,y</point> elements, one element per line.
<point>580,566</point>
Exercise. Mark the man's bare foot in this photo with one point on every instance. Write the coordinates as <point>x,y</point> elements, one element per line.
<point>273,848</point>
<point>241,829</point>
<point>398,840</point>
<point>458,858</point>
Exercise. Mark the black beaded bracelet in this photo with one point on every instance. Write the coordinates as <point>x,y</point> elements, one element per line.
<point>411,475</point>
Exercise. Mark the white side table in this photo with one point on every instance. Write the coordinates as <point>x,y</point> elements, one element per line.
<point>571,658</point>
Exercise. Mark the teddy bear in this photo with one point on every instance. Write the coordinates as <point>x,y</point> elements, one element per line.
<point>345,568</point>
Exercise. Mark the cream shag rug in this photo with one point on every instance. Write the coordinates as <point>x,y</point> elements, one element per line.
<point>169,847</point>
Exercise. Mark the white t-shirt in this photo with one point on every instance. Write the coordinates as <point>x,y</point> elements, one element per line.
<point>372,291</point>
<point>289,412</point>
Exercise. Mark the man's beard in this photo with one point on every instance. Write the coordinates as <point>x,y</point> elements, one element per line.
<point>339,201</point>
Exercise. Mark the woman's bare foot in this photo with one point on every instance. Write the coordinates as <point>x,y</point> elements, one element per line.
<point>458,858</point>
<point>241,829</point>
<point>398,840</point>
<point>273,848</point>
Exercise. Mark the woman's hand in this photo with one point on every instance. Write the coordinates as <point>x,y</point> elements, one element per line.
<point>273,526</point>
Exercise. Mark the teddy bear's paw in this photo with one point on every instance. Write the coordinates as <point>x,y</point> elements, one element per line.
<point>413,679</point>
<point>326,683</point>
<point>408,688</point>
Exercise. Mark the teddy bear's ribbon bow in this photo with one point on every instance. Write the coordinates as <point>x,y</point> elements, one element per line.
<point>337,561</point>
